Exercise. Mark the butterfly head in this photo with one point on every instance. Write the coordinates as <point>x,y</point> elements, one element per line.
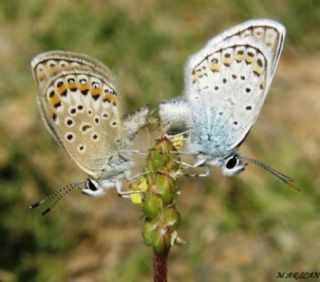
<point>230,166</point>
<point>97,187</point>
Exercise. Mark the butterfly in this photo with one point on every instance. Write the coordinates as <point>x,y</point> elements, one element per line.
<point>226,83</point>
<point>80,107</point>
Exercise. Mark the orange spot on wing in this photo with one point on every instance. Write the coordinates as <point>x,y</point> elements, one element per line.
<point>95,92</point>
<point>84,87</point>
<point>239,56</point>
<point>257,70</point>
<point>55,100</point>
<point>72,86</point>
<point>214,67</point>
<point>197,74</point>
<point>110,98</point>
<point>249,57</point>
<point>62,90</point>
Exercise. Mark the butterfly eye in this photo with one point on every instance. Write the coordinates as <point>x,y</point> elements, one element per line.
<point>231,162</point>
<point>91,185</point>
<point>93,188</point>
<point>232,166</point>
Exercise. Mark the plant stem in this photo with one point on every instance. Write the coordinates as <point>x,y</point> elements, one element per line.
<point>161,218</point>
<point>160,266</point>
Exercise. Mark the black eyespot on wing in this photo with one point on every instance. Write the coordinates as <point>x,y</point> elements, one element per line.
<point>85,91</point>
<point>105,115</point>
<point>250,54</point>
<point>95,84</point>
<point>240,52</point>
<point>86,127</point>
<point>57,105</point>
<point>69,122</point>
<point>71,80</point>
<point>70,137</point>
<point>259,63</point>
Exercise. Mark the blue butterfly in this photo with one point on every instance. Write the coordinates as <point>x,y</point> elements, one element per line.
<point>226,83</point>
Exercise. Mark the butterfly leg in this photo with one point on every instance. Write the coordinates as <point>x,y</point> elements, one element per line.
<point>199,163</point>
<point>178,153</point>
<point>121,193</point>
<point>138,152</point>
<point>139,175</point>
<point>196,164</point>
<point>125,194</point>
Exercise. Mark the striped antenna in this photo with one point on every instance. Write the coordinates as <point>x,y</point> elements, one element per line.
<point>52,199</point>
<point>286,179</point>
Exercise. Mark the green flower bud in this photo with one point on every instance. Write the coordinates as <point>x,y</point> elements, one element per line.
<point>171,216</point>
<point>152,206</point>
<point>161,239</point>
<point>149,231</point>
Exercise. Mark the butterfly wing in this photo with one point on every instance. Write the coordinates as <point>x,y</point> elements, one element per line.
<point>227,81</point>
<point>79,105</point>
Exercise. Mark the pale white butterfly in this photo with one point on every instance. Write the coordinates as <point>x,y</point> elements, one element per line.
<point>226,83</point>
<point>80,107</point>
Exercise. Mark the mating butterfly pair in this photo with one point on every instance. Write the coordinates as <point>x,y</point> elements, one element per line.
<point>226,83</point>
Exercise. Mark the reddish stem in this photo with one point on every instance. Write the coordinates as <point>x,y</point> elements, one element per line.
<point>160,266</point>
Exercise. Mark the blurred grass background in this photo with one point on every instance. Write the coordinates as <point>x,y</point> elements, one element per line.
<point>246,228</point>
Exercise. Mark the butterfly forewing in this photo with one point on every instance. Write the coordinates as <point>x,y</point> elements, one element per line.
<point>228,80</point>
<point>80,106</point>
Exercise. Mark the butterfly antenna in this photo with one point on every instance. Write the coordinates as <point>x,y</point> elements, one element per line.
<point>53,198</point>
<point>286,179</point>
